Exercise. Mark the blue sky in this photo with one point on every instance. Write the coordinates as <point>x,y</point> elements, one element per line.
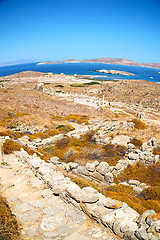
<point>63,29</point>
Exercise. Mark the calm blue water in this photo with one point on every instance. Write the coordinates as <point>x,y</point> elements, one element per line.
<point>150,74</point>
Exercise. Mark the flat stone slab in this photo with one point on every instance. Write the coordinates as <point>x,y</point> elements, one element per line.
<point>29,217</point>
<point>24,207</point>
<point>50,223</point>
<point>77,236</point>
<point>52,211</point>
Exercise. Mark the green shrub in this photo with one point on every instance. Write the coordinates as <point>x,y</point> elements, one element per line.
<point>91,83</point>
<point>59,85</point>
<point>77,85</point>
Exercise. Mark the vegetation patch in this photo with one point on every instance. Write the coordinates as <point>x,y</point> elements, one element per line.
<point>10,146</point>
<point>138,124</point>
<point>59,85</point>
<point>136,142</point>
<point>9,229</point>
<point>73,118</point>
<point>149,175</point>
<point>77,85</point>
<point>113,153</point>
<point>65,128</point>
<point>156,151</point>
<point>91,83</point>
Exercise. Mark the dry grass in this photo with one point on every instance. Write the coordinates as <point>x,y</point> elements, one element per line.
<point>10,146</point>
<point>83,150</point>
<point>9,229</point>
<point>149,175</point>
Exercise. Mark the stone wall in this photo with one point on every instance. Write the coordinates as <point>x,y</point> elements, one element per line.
<point>117,215</point>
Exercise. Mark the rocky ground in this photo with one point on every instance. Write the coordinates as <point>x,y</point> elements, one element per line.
<point>34,105</point>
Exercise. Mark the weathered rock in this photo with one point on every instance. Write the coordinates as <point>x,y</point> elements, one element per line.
<point>121,140</point>
<point>109,178</point>
<point>156,159</point>
<point>112,204</point>
<point>29,217</point>
<point>102,168</point>
<point>73,165</point>
<point>134,182</point>
<point>31,231</point>
<point>97,176</point>
<point>36,162</point>
<point>90,167</point>
<point>82,170</point>
<point>50,223</point>
<point>74,192</point>
<point>24,207</point>
<point>54,160</point>
<point>90,190</point>
<point>40,203</point>
<point>141,234</point>
<point>133,156</point>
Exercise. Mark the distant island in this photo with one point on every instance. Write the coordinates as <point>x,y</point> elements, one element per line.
<point>118,61</point>
<point>115,72</point>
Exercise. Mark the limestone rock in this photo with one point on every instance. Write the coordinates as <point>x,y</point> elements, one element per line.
<point>90,167</point>
<point>102,168</point>
<point>82,170</point>
<point>133,156</point>
<point>73,165</point>
<point>112,204</point>
<point>109,178</point>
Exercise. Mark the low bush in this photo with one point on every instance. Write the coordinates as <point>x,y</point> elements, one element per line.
<point>10,146</point>
<point>65,128</point>
<point>59,85</point>
<point>113,153</point>
<point>77,85</point>
<point>138,124</point>
<point>155,151</point>
<point>92,83</point>
<point>136,142</point>
<point>149,175</point>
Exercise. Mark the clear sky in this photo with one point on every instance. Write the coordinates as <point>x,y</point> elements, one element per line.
<point>65,29</point>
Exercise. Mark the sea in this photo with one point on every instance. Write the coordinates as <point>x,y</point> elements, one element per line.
<point>141,73</point>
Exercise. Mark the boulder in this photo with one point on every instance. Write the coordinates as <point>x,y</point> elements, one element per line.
<point>121,140</point>
<point>134,182</point>
<point>90,167</point>
<point>102,168</point>
<point>133,156</point>
<point>108,178</point>
<point>73,165</point>
<point>82,170</point>
<point>54,160</point>
<point>112,203</point>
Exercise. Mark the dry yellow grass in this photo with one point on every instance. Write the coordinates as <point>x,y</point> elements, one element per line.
<point>9,229</point>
